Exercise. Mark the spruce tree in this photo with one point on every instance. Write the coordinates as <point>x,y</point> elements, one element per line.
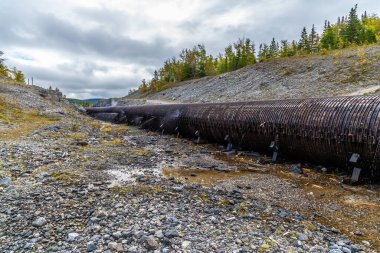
<point>273,49</point>
<point>266,51</point>
<point>260,53</point>
<point>1,59</point>
<point>3,68</point>
<point>313,40</point>
<point>364,16</point>
<point>250,51</point>
<point>353,28</point>
<point>294,48</point>
<point>304,44</point>
<point>284,50</point>
<point>155,76</point>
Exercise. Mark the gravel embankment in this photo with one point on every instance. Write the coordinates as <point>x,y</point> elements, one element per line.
<point>340,73</point>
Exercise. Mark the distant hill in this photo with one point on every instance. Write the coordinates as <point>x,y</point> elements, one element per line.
<point>85,102</point>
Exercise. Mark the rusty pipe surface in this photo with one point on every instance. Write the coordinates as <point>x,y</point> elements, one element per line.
<point>324,131</point>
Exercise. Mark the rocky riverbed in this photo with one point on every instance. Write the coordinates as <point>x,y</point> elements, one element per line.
<point>79,185</point>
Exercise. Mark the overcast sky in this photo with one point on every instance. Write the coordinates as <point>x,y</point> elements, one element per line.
<point>97,48</point>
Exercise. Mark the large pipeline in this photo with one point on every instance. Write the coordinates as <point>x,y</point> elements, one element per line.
<point>336,131</point>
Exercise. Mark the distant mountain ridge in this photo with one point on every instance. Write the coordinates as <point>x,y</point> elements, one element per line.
<point>85,102</point>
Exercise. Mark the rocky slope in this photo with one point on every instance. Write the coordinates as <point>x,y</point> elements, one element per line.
<point>342,72</point>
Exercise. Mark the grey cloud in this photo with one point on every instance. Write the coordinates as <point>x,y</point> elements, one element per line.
<point>49,31</point>
<point>103,43</point>
<point>36,25</point>
<point>71,82</point>
<point>85,68</point>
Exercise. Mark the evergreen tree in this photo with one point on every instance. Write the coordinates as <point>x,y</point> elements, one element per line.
<point>364,15</point>
<point>155,76</point>
<point>222,64</point>
<point>250,52</point>
<point>294,47</point>
<point>313,40</point>
<point>230,58</point>
<point>266,52</point>
<point>210,69</point>
<point>284,50</point>
<point>201,58</point>
<point>260,53</point>
<point>144,86</point>
<point>3,68</point>
<point>329,39</point>
<point>353,28</point>
<point>273,49</point>
<point>367,36</point>
<point>240,57</point>
<point>303,43</point>
<point>1,59</point>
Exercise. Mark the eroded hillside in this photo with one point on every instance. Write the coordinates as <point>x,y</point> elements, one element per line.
<point>341,72</point>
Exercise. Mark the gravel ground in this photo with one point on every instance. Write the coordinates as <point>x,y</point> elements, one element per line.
<point>85,186</point>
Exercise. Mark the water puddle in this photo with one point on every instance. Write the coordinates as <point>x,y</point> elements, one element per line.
<point>205,177</point>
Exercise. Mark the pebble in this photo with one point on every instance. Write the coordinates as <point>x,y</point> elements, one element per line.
<point>178,188</point>
<point>302,237</point>
<point>366,243</point>
<point>91,246</point>
<point>335,251</point>
<point>6,180</point>
<point>112,245</point>
<point>117,234</point>
<point>296,170</point>
<point>132,249</point>
<point>151,243</point>
<point>171,233</point>
<point>73,237</point>
<point>159,234</point>
<point>10,188</point>
<point>39,222</point>
<point>346,250</point>
<point>185,244</point>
